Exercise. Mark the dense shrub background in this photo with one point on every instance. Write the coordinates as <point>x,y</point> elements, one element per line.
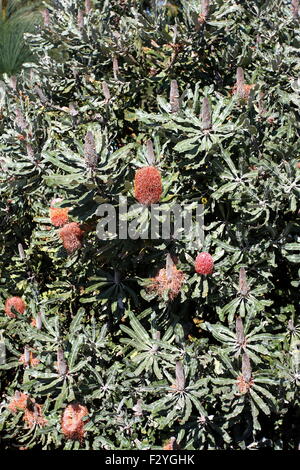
<point>104,72</point>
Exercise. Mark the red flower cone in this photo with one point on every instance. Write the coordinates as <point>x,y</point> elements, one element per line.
<point>148,185</point>
<point>204,263</point>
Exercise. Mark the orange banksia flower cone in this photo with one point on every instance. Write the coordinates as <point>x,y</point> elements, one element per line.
<point>59,216</point>
<point>72,424</point>
<point>243,385</point>
<point>204,263</point>
<point>71,236</point>
<point>17,303</point>
<point>148,185</point>
<point>171,284</point>
<point>18,402</point>
<point>33,415</point>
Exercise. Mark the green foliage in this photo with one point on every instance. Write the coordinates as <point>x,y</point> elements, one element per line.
<point>217,366</point>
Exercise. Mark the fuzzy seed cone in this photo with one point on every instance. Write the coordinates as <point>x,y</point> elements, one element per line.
<point>148,185</point>
<point>59,216</point>
<point>17,303</point>
<point>168,282</point>
<point>204,263</point>
<point>71,236</point>
<point>72,425</point>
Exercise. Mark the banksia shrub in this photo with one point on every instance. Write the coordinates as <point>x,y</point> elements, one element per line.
<point>71,236</point>
<point>204,263</point>
<point>157,112</point>
<point>148,185</point>
<point>72,424</point>
<point>17,303</point>
<point>170,284</point>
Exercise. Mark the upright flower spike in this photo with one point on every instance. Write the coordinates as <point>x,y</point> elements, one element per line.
<point>148,185</point>
<point>17,303</point>
<point>46,17</point>
<point>204,13</point>
<point>246,367</point>
<point>239,329</point>
<point>295,8</point>
<point>71,236</point>
<point>72,424</point>
<point>180,377</point>
<point>87,6</point>
<point>174,96</point>
<point>206,120</point>
<point>80,19</point>
<point>150,153</point>
<point>243,284</point>
<point>90,153</point>
<point>240,82</point>
<point>106,92</point>
<point>204,263</point>
<point>62,367</point>
<point>241,89</point>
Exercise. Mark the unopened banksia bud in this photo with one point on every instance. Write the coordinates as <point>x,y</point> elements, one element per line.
<point>206,115</point>
<point>150,153</point>
<point>239,329</point>
<point>174,97</point>
<point>80,19</point>
<point>62,367</point>
<point>241,89</point>
<point>106,92</point>
<point>46,17</point>
<point>180,377</point>
<point>243,285</point>
<point>295,8</point>
<point>204,263</point>
<point>90,153</point>
<point>87,6</point>
<point>240,82</point>
<point>148,185</point>
<point>204,13</point>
